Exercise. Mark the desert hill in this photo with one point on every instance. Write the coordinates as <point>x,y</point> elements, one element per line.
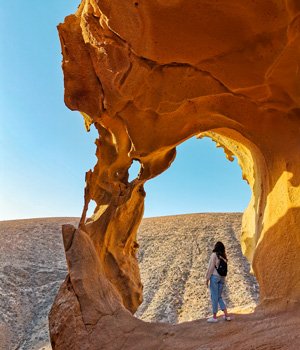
<point>173,256</point>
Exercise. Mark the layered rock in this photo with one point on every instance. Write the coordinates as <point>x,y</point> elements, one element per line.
<point>149,75</point>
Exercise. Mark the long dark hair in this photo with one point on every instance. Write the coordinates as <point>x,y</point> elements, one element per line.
<point>219,249</point>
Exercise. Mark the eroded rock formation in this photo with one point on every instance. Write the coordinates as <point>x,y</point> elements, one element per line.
<point>149,75</point>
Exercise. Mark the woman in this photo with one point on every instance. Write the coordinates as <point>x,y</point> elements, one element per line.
<point>216,282</point>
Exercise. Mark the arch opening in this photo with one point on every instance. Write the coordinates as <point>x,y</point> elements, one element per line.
<point>180,245</point>
<point>144,101</point>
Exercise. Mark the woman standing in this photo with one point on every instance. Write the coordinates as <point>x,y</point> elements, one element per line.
<point>216,281</point>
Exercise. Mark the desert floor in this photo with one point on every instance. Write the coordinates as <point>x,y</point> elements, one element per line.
<point>173,256</point>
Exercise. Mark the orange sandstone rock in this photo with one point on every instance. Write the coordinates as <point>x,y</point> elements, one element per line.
<point>149,75</point>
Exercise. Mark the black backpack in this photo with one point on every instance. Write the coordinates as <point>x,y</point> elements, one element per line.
<point>222,269</point>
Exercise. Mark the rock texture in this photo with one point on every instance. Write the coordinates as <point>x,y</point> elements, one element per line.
<point>33,265</point>
<point>80,326</point>
<point>149,75</point>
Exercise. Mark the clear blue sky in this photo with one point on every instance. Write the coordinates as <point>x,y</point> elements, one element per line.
<point>45,151</point>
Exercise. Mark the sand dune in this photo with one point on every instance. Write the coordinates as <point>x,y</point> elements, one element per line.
<point>173,257</point>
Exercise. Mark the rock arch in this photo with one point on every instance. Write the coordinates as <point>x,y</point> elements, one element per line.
<point>150,75</point>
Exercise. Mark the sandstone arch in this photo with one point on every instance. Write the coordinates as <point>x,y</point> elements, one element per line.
<point>150,75</point>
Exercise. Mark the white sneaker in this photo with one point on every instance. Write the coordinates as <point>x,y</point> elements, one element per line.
<point>212,320</point>
<point>227,318</point>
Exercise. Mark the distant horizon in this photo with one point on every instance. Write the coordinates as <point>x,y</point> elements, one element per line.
<point>144,217</point>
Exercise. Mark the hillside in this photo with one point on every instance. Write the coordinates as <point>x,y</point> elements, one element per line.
<point>173,257</point>
<point>174,252</point>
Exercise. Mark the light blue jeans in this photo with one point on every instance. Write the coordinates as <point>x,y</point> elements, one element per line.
<point>216,288</point>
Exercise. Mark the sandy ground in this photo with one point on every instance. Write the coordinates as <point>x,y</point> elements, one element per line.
<point>32,267</point>
<point>173,256</point>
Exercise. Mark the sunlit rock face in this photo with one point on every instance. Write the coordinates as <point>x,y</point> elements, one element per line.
<point>149,75</point>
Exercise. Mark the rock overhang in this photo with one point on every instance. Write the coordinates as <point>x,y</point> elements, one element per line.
<point>152,74</point>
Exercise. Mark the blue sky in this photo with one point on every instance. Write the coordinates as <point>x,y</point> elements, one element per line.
<point>45,150</point>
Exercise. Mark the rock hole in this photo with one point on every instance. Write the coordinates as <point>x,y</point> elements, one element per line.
<point>91,209</point>
<point>134,170</point>
<point>197,184</point>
